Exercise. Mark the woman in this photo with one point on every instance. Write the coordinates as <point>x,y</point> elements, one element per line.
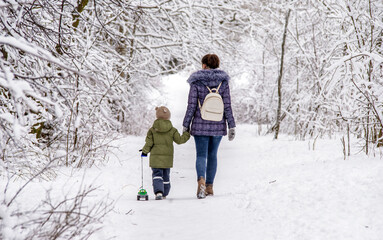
<point>208,134</point>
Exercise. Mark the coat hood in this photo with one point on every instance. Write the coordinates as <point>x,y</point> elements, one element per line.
<point>209,77</point>
<point>161,125</point>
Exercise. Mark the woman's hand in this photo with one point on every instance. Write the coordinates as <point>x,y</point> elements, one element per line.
<point>231,134</point>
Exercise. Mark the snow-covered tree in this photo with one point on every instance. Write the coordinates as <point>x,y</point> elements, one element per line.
<point>75,72</point>
<point>333,68</point>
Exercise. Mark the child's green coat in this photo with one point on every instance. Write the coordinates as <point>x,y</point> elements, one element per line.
<point>159,142</point>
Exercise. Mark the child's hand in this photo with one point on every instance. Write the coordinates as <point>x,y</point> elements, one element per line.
<point>143,154</point>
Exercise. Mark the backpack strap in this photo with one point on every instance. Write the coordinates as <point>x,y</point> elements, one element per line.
<point>219,86</point>
<point>216,89</point>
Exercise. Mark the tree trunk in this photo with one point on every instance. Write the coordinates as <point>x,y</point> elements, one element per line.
<point>278,121</point>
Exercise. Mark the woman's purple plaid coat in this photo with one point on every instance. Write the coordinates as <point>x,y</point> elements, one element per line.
<point>198,90</point>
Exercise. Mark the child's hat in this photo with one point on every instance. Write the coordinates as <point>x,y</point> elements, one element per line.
<point>162,113</point>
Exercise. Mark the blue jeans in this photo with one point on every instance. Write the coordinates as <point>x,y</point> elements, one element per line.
<point>206,164</point>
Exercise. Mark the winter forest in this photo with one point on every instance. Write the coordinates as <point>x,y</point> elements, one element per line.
<point>77,75</point>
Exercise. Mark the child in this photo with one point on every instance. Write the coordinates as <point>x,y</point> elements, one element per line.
<point>159,142</point>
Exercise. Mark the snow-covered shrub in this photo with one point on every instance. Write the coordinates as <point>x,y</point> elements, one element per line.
<point>73,216</point>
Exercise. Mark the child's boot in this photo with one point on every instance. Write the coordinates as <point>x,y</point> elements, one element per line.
<point>159,196</point>
<point>209,190</point>
<point>201,188</point>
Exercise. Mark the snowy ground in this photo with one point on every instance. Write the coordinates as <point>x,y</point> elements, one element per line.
<point>264,189</point>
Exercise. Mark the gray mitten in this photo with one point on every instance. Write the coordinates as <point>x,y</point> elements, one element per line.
<point>231,134</point>
<point>185,129</point>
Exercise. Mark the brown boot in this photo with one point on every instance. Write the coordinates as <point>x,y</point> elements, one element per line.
<point>209,190</point>
<point>201,188</point>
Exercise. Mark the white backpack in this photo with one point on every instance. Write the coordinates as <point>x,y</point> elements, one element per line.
<point>212,107</point>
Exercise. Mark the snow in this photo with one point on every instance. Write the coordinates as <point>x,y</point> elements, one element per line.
<point>7,117</point>
<point>34,50</point>
<point>270,189</point>
<point>264,189</point>
<point>59,114</point>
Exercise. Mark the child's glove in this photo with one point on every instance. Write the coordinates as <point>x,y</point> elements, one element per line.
<point>143,154</point>
<point>231,134</point>
<point>185,129</point>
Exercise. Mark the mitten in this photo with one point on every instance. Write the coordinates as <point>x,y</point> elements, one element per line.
<point>231,134</point>
<point>185,129</point>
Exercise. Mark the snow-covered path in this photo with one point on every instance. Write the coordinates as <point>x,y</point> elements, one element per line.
<point>264,189</point>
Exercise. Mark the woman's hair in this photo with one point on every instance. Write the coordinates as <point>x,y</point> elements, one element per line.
<point>211,61</point>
